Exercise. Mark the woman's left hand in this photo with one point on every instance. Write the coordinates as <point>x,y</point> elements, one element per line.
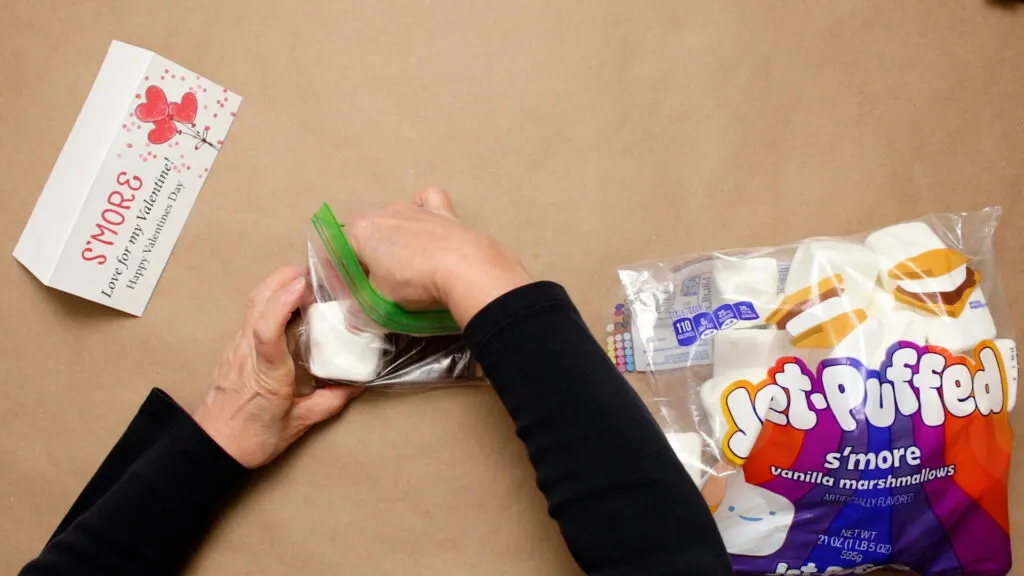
<point>250,408</point>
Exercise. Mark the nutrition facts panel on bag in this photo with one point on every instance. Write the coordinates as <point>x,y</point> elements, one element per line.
<point>677,330</point>
<point>677,333</point>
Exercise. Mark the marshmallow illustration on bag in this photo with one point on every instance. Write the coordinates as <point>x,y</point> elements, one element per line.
<point>829,285</point>
<point>921,271</point>
<point>753,521</point>
<point>817,316</point>
<point>925,275</point>
<point>818,259</point>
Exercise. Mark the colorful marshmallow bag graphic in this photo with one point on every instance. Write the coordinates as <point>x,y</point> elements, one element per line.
<point>849,406</point>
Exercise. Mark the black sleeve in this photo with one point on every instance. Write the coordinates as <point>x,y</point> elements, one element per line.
<point>623,501</point>
<point>149,504</point>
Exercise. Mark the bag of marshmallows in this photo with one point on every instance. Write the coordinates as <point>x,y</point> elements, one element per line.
<point>350,334</point>
<point>843,403</point>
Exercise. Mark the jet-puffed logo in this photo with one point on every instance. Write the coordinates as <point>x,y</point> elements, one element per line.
<point>925,380</point>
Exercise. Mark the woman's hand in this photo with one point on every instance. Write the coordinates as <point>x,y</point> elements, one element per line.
<point>421,256</point>
<point>250,408</point>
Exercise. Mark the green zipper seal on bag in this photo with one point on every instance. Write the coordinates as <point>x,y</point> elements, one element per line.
<point>392,316</point>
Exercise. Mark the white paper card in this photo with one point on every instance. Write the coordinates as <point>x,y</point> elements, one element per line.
<point>126,179</point>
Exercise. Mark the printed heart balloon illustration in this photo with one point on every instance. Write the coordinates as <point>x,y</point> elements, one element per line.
<point>155,107</point>
<point>185,111</point>
<point>171,119</point>
<point>163,130</point>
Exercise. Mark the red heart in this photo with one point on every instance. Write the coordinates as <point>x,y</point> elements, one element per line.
<point>163,130</point>
<point>186,110</point>
<point>155,106</point>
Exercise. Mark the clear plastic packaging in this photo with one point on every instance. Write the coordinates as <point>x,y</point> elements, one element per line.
<point>350,334</point>
<point>841,402</point>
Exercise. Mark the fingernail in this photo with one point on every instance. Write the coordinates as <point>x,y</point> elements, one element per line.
<point>297,284</point>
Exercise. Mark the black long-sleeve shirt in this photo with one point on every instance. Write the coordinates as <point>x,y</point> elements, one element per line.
<point>624,503</point>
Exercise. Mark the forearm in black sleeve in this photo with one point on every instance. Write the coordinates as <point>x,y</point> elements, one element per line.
<point>150,503</point>
<point>623,501</point>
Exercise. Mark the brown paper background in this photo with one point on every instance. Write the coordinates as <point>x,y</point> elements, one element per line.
<point>582,134</point>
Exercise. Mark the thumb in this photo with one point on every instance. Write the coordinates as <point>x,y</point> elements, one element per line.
<point>324,403</point>
<point>268,329</point>
<point>436,200</point>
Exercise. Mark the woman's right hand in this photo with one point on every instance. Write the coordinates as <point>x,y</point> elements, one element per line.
<point>422,257</point>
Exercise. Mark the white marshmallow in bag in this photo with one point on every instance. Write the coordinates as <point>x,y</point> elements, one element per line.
<point>687,446</point>
<point>820,259</point>
<point>960,334</point>
<point>742,350</point>
<point>750,285</point>
<point>870,341</point>
<point>897,243</point>
<point>865,343</point>
<point>337,351</point>
<point>711,393</point>
<point>900,323</point>
<point>882,304</point>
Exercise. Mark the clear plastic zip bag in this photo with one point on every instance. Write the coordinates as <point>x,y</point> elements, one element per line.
<point>841,402</point>
<point>350,334</point>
